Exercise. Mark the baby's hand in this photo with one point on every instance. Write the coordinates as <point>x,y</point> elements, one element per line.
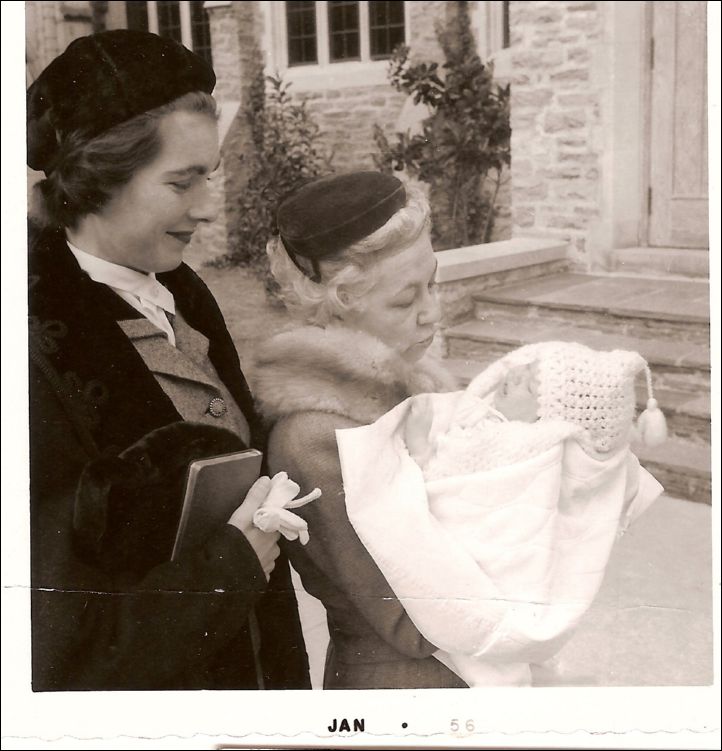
<point>417,428</point>
<point>516,397</point>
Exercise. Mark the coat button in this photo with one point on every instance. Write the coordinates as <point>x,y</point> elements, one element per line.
<point>217,407</point>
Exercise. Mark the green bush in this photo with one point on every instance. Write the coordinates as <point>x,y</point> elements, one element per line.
<point>285,153</point>
<point>465,141</point>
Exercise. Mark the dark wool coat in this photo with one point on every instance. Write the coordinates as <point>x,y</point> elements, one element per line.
<point>109,611</point>
<point>309,383</point>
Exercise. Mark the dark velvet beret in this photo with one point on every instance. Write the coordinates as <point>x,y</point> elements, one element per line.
<point>330,213</point>
<point>103,80</point>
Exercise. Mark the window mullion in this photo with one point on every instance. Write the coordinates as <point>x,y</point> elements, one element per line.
<point>281,42</point>
<point>322,40</point>
<point>185,23</point>
<point>363,18</point>
<point>496,27</point>
<point>153,16</point>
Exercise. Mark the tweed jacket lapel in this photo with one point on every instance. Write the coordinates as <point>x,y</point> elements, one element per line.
<point>162,357</point>
<point>198,308</point>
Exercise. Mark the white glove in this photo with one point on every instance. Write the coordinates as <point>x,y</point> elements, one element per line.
<point>273,515</point>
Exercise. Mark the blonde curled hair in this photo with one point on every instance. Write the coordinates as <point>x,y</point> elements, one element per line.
<point>350,274</point>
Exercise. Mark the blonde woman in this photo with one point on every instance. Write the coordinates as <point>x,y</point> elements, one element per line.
<point>356,268</point>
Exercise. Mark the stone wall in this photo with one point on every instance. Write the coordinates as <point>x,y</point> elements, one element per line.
<point>556,120</point>
<point>346,114</point>
<point>346,117</point>
<point>423,18</point>
<point>502,229</point>
<point>236,29</point>
<point>49,29</point>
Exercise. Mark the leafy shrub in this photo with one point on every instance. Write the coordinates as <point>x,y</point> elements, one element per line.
<point>465,141</point>
<point>285,153</point>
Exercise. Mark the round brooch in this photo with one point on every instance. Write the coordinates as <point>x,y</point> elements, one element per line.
<point>217,407</point>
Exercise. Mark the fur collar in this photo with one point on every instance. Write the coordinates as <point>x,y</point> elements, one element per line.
<point>338,370</point>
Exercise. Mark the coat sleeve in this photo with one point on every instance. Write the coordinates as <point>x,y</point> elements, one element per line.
<point>96,630</point>
<point>93,631</point>
<point>304,445</point>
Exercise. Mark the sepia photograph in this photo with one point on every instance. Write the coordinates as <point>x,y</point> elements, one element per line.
<point>369,355</point>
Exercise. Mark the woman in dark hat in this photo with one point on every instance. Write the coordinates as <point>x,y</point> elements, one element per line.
<point>133,374</point>
<point>356,268</point>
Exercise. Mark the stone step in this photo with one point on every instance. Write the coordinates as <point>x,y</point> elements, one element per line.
<point>687,415</point>
<point>664,262</point>
<point>682,464</point>
<point>683,468</point>
<point>463,271</point>
<point>676,364</point>
<point>630,306</point>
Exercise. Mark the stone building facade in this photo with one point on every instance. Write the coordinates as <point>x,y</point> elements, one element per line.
<point>595,163</point>
<point>607,153</point>
<point>557,141</point>
<point>49,28</point>
<point>347,110</point>
<point>346,99</point>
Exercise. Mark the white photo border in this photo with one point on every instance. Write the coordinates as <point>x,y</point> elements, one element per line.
<point>532,718</point>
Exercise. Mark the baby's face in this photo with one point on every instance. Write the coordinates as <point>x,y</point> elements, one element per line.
<point>516,397</point>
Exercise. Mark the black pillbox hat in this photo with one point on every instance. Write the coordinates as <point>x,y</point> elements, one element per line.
<point>331,213</point>
<point>103,80</point>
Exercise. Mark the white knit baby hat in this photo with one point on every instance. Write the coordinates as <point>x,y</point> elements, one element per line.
<point>587,387</point>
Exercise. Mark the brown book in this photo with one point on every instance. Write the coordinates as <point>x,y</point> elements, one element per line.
<point>214,490</point>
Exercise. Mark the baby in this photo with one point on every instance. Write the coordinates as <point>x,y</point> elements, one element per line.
<point>515,399</point>
<point>528,479</point>
<point>564,390</point>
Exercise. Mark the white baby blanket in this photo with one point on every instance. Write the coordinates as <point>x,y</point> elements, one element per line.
<point>495,568</point>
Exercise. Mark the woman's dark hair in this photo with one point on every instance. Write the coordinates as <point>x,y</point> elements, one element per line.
<point>88,173</point>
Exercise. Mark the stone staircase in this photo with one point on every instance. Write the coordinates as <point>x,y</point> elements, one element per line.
<point>661,262</point>
<point>666,320</point>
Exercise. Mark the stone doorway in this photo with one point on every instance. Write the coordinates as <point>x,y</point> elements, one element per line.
<point>678,171</point>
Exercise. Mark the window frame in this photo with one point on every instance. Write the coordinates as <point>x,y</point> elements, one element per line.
<point>326,74</point>
<point>344,31</point>
<point>186,25</point>
<point>315,36</point>
<point>489,28</point>
<point>371,56</point>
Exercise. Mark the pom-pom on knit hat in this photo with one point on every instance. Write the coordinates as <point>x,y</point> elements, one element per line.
<point>328,214</point>
<point>102,80</point>
<point>592,389</point>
